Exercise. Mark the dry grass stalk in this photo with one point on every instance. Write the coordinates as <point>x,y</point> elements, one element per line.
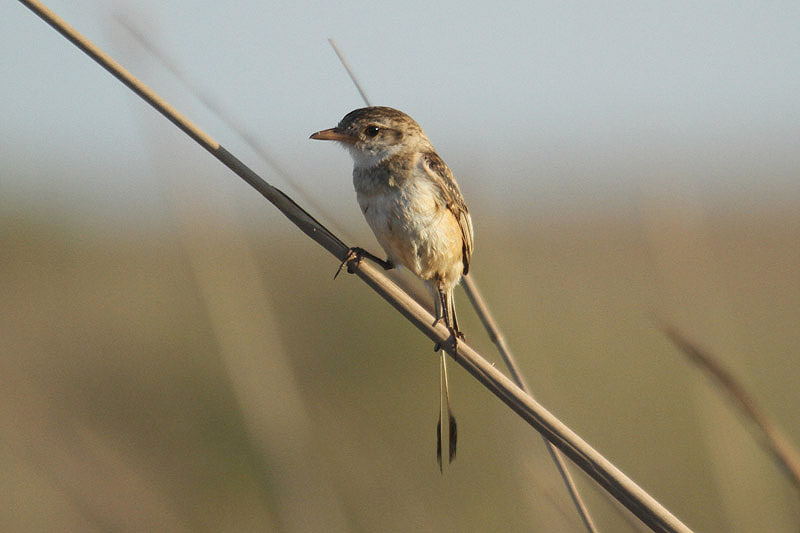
<point>772,438</point>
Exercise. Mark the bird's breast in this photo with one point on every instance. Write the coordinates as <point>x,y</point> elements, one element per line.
<point>412,224</point>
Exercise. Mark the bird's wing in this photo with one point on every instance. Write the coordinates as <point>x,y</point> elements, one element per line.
<point>444,180</point>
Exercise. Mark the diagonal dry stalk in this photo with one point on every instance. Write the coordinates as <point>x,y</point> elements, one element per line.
<point>350,72</point>
<point>772,438</point>
<point>482,309</point>
<point>623,489</point>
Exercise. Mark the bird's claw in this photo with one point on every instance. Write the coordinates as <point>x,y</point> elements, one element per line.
<point>456,334</point>
<point>353,254</point>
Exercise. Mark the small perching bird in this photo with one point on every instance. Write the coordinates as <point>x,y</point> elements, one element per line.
<point>414,206</point>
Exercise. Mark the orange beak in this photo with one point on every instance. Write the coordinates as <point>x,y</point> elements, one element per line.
<point>333,134</point>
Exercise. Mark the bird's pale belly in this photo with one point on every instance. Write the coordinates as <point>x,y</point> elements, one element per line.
<point>416,232</point>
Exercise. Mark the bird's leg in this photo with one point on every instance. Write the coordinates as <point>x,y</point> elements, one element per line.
<point>355,254</point>
<point>438,301</point>
<point>446,312</point>
<point>440,305</point>
<point>457,333</point>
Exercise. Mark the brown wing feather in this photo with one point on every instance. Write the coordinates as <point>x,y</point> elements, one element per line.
<point>443,177</point>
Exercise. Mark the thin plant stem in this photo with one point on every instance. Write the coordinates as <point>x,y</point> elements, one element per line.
<point>485,315</point>
<point>772,438</point>
<point>349,71</point>
<point>622,488</point>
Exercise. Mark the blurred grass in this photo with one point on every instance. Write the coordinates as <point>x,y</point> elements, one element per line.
<point>111,367</point>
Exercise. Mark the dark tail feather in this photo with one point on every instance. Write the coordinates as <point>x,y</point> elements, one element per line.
<point>453,437</point>
<point>449,316</point>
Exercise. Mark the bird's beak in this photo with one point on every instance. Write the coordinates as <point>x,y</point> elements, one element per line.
<point>333,134</point>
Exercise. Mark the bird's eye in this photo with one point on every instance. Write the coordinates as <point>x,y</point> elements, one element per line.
<point>372,131</point>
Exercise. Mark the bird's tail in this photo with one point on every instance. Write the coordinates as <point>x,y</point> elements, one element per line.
<point>444,408</point>
<point>446,311</point>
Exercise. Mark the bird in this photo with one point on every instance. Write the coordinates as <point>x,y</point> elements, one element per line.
<point>414,206</point>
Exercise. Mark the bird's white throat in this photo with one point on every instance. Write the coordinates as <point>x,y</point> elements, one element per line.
<point>364,159</point>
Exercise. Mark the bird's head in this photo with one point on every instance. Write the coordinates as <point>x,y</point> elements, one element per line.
<point>372,134</point>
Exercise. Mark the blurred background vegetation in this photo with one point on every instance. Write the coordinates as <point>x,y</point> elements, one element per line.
<point>175,356</point>
<point>209,374</point>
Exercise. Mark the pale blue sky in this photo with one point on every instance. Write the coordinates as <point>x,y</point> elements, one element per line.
<point>528,102</point>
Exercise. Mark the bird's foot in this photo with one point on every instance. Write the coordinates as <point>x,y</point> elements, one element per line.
<point>456,334</point>
<point>354,256</point>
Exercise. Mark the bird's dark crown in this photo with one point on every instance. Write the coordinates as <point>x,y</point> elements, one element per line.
<point>386,118</point>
